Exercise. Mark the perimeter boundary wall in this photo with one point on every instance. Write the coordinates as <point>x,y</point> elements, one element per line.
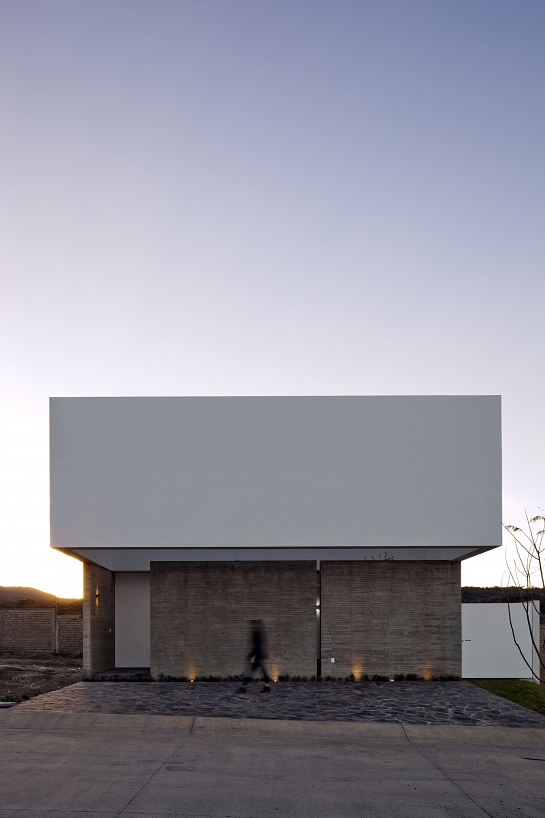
<point>40,630</point>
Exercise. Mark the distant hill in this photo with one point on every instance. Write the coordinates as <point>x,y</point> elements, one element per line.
<point>12,596</point>
<point>497,594</point>
<point>15,597</point>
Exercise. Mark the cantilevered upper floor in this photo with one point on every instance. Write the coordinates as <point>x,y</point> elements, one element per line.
<point>231,478</point>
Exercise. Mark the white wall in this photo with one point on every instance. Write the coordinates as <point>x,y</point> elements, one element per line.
<point>317,471</point>
<point>132,619</point>
<point>488,648</point>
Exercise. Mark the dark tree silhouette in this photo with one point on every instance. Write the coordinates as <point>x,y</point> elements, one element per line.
<point>526,570</point>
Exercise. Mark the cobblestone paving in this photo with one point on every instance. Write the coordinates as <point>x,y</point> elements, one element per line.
<point>398,702</point>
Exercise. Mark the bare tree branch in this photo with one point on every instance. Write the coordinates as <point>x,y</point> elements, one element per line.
<point>526,571</point>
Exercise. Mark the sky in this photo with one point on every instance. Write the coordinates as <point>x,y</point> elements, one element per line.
<point>258,197</point>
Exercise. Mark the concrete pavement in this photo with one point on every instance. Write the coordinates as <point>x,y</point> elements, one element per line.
<point>81,764</point>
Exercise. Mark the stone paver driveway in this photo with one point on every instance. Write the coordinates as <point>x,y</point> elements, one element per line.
<point>440,703</point>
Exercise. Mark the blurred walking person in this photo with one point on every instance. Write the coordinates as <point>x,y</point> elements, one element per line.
<point>257,654</point>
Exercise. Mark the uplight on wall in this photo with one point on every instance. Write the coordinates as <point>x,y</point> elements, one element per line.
<point>427,673</point>
<point>357,670</point>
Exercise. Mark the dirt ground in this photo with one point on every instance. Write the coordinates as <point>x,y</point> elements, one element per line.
<point>27,675</point>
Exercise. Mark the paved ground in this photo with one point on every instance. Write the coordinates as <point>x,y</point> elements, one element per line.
<point>441,703</point>
<point>63,765</point>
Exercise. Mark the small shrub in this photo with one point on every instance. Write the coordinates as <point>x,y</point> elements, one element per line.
<point>412,677</point>
<point>378,678</point>
<point>9,697</point>
<point>162,678</point>
<point>399,677</point>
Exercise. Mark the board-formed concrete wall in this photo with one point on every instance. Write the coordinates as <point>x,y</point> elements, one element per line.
<point>98,619</point>
<point>199,614</point>
<point>387,618</point>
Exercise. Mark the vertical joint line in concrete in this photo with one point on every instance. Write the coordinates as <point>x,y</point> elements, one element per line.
<point>318,621</point>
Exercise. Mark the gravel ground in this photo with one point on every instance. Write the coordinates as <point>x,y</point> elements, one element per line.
<point>32,674</point>
<point>440,703</point>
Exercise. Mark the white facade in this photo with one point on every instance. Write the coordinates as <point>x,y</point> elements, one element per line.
<point>134,479</point>
<point>488,647</point>
<point>132,619</point>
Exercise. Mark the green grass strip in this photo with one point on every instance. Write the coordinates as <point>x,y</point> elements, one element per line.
<point>528,694</point>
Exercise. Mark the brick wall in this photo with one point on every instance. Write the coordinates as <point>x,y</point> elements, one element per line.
<point>391,617</point>
<point>28,630</point>
<point>98,619</point>
<point>70,635</point>
<point>40,630</point>
<point>199,612</point>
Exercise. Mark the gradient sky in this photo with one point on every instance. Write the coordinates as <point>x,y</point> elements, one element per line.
<point>267,198</point>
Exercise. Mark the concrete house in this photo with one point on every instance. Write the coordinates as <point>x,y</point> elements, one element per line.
<point>341,522</point>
